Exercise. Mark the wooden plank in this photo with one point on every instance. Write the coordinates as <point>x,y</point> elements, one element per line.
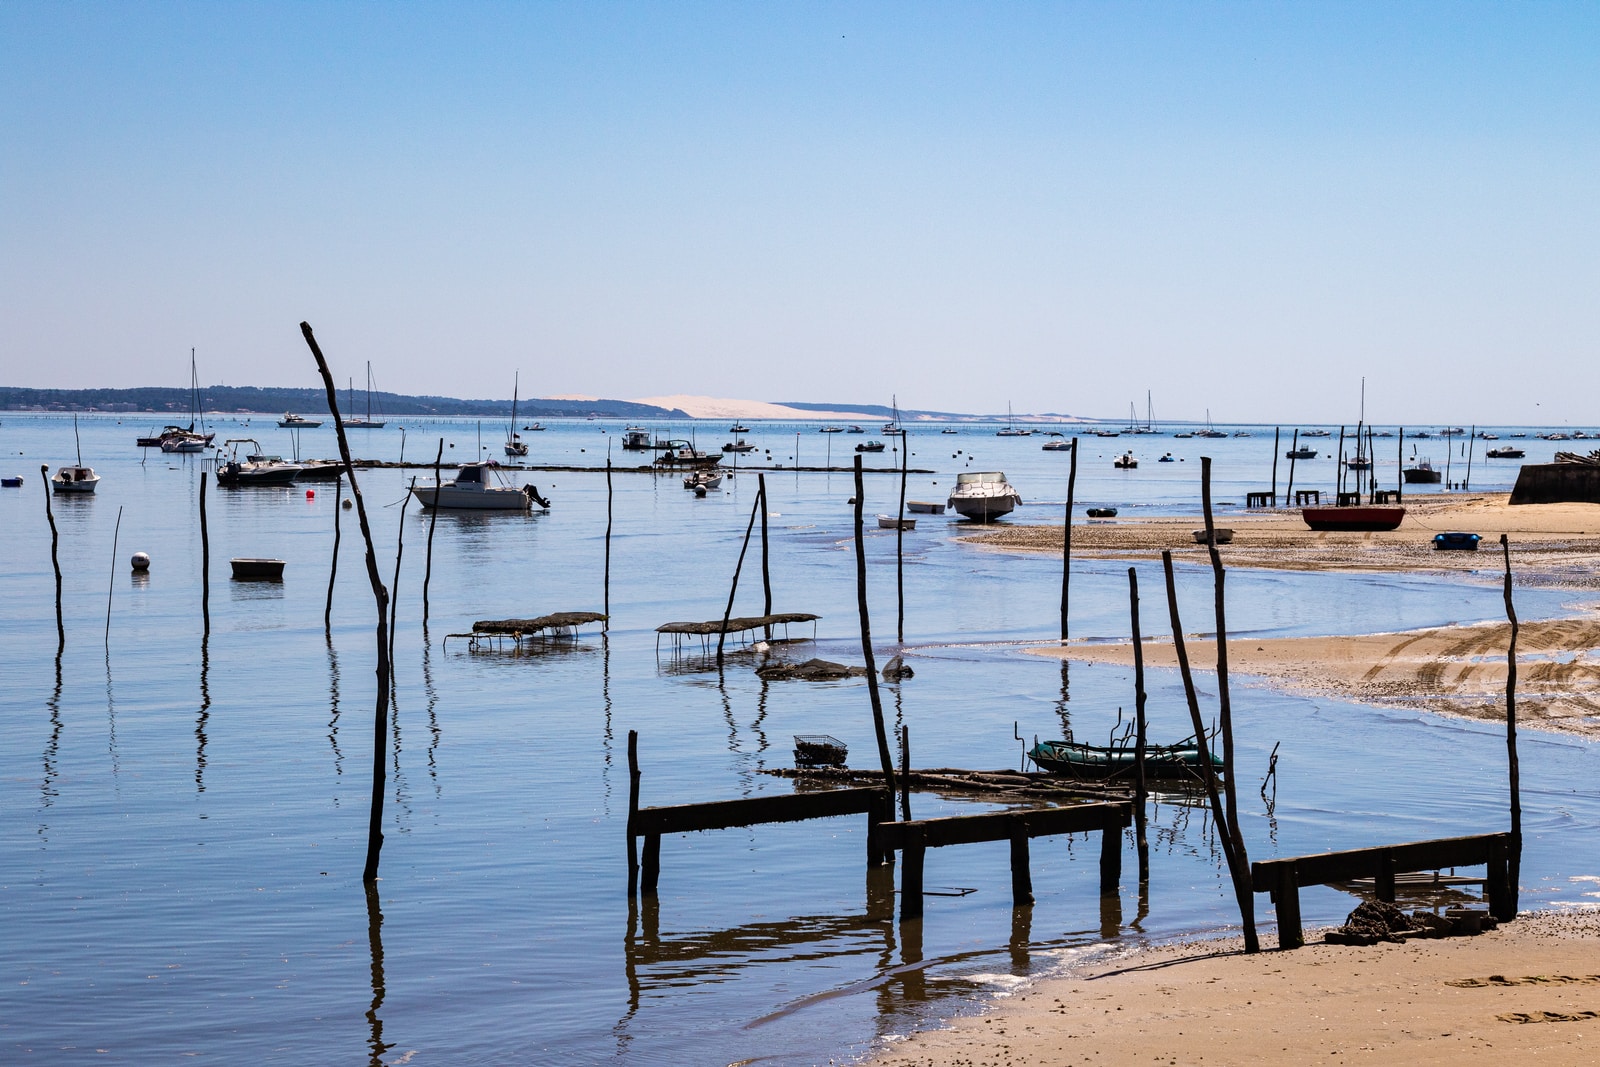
<point>1365,862</point>
<point>725,814</point>
<point>997,825</point>
<point>911,876</point>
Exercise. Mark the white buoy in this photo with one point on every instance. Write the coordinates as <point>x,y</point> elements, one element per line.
<point>141,561</point>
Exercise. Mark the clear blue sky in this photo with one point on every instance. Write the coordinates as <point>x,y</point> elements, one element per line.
<point>1242,207</point>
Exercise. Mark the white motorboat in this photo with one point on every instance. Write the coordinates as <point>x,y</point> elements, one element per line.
<point>635,439</point>
<point>74,480</point>
<point>1125,462</point>
<point>291,421</point>
<point>1057,446</point>
<point>703,479</point>
<point>255,468</point>
<point>891,522</point>
<point>472,490</point>
<point>983,495</point>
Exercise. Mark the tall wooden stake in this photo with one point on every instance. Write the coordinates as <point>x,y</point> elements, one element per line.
<point>399,551</point>
<point>433,521</point>
<point>1276,430</point>
<point>333,565</point>
<point>55,561</point>
<point>1294,446</point>
<point>722,634</point>
<point>380,596</point>
<point>112,585</point>
<point>1338,467</point>
<point>766,559</point>
<point>1399,466</point>
<point>1514,861</point>
<point>1140,793</point>
<point>1066,539</point>
<point>1230,765</point>
<point>866,639</point>
<point>900,546</point>
<point>606,607</point>
<point>205,563</point>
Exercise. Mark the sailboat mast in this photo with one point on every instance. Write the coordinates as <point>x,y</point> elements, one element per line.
<point>75,439</point>
<point>516,381</point>
<point>369,390</point>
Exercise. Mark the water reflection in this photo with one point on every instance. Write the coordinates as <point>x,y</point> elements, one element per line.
<point>203,716</point>
<point>376,1046</point>
<point>52,747</point>
<point>1063,704</point>
<point>402,792</point>
<point>433,705</point>
<point>111,729</point>
<point>607,735</point>
<point>333,714</point>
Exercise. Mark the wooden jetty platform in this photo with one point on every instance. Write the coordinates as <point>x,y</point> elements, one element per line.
<point>739,624</point>
<point>1282,878</point>
<point>558,624</point>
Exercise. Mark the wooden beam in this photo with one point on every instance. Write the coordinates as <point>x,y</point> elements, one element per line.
<point>726,814</point>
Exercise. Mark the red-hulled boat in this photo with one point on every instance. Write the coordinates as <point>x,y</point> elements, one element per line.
<point>1354,517</point>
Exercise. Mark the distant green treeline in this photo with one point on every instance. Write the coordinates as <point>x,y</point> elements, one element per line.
<point>312,403</point>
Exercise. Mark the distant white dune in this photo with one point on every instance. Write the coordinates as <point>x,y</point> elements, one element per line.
<point>710,407</point>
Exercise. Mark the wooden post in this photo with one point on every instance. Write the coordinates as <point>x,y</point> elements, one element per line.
<point>380,596</point>
<point>1400,467</point>
<point>1021,875</point>
<point>1502,891</point>
<point>1472,438</point>
<point>905,774</point>
<point>399,551</point>
<point>1110,856</point>
<point>112,585</point>
<point>1294,446</point>
<point>1514,860</point>
<point>1066,540</point>
<point>633,813</point>
<point>1383,883</point>
<point>205,563</point>
<point>1338,467</point>
<point>650,870</point>
<point>722,635</point>
<point>433,521</point>
<point>607,580</point>
<point>333,567</point>
<point>1286,896</point>
<point>1241,874</point>
<point>900,546</point>
<point>55,561</point>
<point>766,559</point>
<point>866,642</point>
<point>1140,793</point>
<point>1276,430</point>
<point>912,858</point>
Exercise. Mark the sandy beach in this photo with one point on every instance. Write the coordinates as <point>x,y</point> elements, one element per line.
<point>1528,992</point>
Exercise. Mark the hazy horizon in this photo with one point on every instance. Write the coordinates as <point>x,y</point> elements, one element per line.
<point>1244,208</point>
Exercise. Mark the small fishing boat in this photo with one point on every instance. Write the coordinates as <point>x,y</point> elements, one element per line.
<point>1456,541</point>
<point>738,427</point>
<point>1056,446</point>
<point>1223,534</point>
<point>13,482</point>
<point>1506,452</point>
<point>703,479</point>
<point>1125,462</point>
<point>1301,453</point>
<point>249,569</point>
<point>471,490</point>
<point>890,522</point>
<point>684,454</point>
<point>291,421</point>
<point>71,479</point>
<point>1422,474</point>
<point>1353,517</point>
<point>839,429</point>
<point>635,439</point>
<point>534,427</point>
<point>1161,762</point>
<point>1101,513</point>
<point>853,429</point>
<point>255,469</point>
<point>924,507</point>
<point>739,444</point>
<point>949,429</point>
<point>515,445</point>
<point>983,495</point>
<point>870,446</point>
<point>1166,459</point>
<point>1318,433</point>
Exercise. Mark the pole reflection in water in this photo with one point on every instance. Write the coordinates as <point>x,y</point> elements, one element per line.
<point>761,717</point>
<point>52,747</point>
<point>607,735</point>
<point>376,1047</point>
<point>1021,937</point>
<point>111,729</point>
<point>1110,915</point>
<point>433,708</point>
<point>1063,706</point>
<point>402,792</point>
<point>333,713</point>
<point>203,716</point>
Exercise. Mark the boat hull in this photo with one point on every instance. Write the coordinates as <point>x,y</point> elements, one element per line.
<point>1370,518</point>
<point>1422,476</point>
<point>450,498</point>
<point>257,570</point>
<point>1161,762</point>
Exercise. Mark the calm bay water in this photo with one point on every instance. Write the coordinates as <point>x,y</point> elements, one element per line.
<point>184,820</point>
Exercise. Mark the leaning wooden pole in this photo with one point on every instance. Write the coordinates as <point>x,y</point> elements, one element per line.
<point>766,556</point>
<point>866,638</point>
<point>606,586</point>
<point>55,560</point>
<point>1288,493</point>
<point>1276,430</point>
<point>394,589</point>
<point>1230,764</point>
<point>116,536</point>
<point>1400,467</point>
<point>722,634</point>
<point>433,521</point>
<point>900,546</point>
<point>1066,540</point>
<point>1140,793</point>
<point>380,596</point>
<point>205,563</point>
<point>1514,861</point>
<point>333,565</point>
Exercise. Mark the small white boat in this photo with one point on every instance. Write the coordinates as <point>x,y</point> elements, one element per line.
<point>471,490</point>
<point>1125,462</point>
<point>983,495</point>
<point>924,507</point>
<point>739,444</point>
<point>738,427</point>
<point>1057,446</point>
<point>703,480</point>
<point>890,522</point>
<point>635,439</point>
<point>837,429</point>
<point>184,441</point>
<point>78,479</point>
<point>255,468</point>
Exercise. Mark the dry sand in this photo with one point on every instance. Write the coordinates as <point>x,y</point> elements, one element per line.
<point>1551,544</point>
<point>1527,993</point>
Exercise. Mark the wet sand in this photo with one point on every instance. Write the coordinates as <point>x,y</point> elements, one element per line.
<point>1528,992</point>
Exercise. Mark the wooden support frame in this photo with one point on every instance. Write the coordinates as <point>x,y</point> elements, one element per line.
<point>1282,878</point>
<point>914,838</point>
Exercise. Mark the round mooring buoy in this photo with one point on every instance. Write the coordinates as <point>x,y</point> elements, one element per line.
<point>141,561</point>
<point>347,503</point>
<point>311,494</point>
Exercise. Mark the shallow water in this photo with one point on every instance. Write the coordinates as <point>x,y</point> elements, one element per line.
<point>184,819</point>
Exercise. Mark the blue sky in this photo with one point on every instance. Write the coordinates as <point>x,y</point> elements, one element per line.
<point>1244,208</point>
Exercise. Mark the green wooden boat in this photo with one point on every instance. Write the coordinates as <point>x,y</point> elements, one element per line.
<point>1161,762</point>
